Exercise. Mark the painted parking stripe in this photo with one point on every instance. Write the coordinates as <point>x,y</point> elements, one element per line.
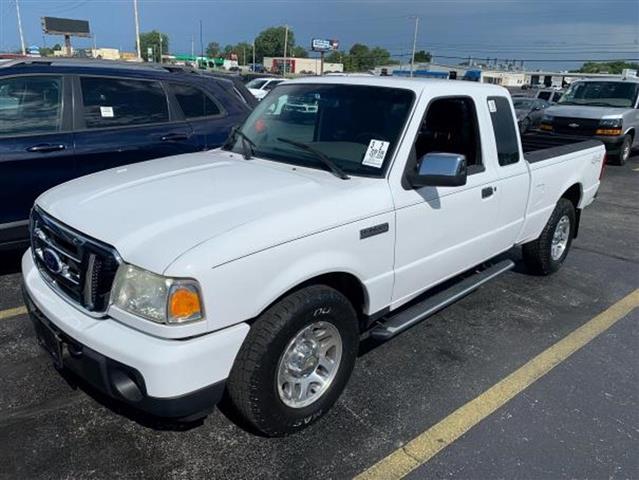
<point>426,445</point>
<point>12,312</point>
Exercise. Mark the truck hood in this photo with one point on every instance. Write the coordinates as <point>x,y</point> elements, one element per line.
<point>155,211</point>
<point>580,111</point>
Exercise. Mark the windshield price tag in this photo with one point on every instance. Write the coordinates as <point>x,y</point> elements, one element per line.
<point>375,153</point>
<point>106,111</point>
<point>492,108</point>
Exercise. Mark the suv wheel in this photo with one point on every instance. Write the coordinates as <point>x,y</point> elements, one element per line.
<point>295,361</point>
<point>624,151</point>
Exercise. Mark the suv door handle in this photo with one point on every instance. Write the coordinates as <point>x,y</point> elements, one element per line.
<point>46,147</point>
<point>487,191</point>
<point>174,137</point>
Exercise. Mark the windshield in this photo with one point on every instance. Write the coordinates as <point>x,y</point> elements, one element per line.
<point>256,83</point>
<point>601,94</point>
<point>522,103</point>
<point>357,127</point>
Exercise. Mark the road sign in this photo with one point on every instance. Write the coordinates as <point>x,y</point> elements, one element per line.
<point>323,45</point>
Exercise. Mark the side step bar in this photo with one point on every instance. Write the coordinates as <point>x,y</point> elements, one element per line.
<point>390,326</point>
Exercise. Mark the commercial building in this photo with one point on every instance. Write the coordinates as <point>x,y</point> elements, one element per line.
<point>301,65</point>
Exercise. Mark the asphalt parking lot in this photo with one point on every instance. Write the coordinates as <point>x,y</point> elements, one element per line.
<point>579,420</point>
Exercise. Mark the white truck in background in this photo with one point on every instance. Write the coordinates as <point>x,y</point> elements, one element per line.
<point>253,271</point>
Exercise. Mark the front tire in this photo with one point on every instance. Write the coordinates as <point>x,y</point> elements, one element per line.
<point>624,151</point>
<point>545,255</point>
<point>295,361</point>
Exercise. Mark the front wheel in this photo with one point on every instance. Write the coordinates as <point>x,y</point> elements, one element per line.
<point>295,361</point>
<point>545,255</point>
<point>624,152</point>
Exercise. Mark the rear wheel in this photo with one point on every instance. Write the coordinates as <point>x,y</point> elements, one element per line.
<point>546,254</point>
<point>295,361</point>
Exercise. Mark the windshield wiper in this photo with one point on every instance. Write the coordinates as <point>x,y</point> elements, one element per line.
<point>338,172</point>
<point>248,146</point>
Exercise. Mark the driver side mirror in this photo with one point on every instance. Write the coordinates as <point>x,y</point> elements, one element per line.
<point>440,170</point>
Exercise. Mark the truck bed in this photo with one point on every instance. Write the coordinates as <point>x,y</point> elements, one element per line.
<point>538,146</point>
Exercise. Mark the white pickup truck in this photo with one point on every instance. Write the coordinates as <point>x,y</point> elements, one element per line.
<point>252,272</point>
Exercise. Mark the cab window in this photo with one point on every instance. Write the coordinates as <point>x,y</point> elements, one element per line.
<point>451,126</point>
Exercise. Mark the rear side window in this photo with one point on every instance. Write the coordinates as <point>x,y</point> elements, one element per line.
<point>30,105</point>
<point>115,102</point>
<point>194,102</point>
<point>504,130</point>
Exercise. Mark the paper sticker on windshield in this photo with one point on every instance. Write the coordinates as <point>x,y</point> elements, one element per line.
<point>375,153</point>
<point>492,108</point>
<point>106,111</point>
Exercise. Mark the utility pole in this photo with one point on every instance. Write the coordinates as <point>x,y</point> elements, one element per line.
<point>160,35</point>
<point>412,58</point>
<point>137,30</point>
<point>201,40</point>
<point>244,54</point>
<point>24,50</point>
<point>253,54</point>
<point>285,45</point>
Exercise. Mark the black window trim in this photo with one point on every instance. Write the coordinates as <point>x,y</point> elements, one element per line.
<point>411,162</point>
<point>66,120</point>
<point>223,112</point>
<point>513,119</point>
<point>79,122</point>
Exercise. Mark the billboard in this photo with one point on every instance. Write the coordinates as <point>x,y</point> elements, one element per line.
<point>323,45</point>
<point>65,26</point>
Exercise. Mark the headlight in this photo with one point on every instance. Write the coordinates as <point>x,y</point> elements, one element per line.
<point>610,123</point>
<point>155,297</point>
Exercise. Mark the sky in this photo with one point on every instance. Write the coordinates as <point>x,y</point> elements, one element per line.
<point>547,34</point>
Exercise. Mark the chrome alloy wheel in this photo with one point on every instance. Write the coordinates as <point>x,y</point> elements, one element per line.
<point>560,238</point>
<point>309,364</point>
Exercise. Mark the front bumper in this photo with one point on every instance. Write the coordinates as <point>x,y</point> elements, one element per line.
<point>167,378</point>
<point>613,144</point>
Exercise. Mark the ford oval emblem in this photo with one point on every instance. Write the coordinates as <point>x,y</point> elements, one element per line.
<point>52,260</point>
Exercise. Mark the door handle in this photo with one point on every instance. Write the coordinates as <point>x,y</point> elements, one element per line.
<point>45,147</point>
<point>487,191</point>
<point>174,137</point>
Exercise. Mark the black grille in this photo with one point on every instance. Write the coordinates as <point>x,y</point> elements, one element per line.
<point>575,126</point>
<point>79,267</point>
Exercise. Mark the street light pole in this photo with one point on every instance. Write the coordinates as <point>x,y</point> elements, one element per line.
<point>253,54</point>
<point>24,50</point>
<point>412,58</point>
<point>137,30</point>
<point>285,45</point>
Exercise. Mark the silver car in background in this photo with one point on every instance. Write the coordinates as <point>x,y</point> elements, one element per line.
<point>604,109</point>
<point>529,112</point>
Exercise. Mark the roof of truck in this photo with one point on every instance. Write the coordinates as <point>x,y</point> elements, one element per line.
<point>415,84</point>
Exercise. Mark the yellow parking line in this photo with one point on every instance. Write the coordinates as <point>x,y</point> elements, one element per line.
<point>426,445</point>
<point>12,312</point>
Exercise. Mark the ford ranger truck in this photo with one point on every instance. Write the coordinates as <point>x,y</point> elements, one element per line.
<point>254,270</point>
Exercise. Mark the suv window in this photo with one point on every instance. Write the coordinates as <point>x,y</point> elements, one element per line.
<point>194,102</point>
<point>115,102</point>
<point>30,105</point>
<point>451,126</point>
<point>504,129</point>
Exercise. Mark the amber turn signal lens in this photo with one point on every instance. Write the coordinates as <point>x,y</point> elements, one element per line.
<point>608,131</point>
<point>184,304</point>
<point>545,126</point>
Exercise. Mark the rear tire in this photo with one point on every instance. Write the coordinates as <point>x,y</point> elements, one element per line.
<point>282,356</point>
<point>546,254</point>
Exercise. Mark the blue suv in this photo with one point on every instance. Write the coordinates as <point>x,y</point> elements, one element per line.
<point>61,119</point>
